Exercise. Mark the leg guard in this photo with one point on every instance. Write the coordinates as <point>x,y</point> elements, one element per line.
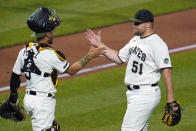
<point>55,127</point>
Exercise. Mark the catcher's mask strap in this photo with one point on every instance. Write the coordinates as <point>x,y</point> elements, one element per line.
<point>38,35</point>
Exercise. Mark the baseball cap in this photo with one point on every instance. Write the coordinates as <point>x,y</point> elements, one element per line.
<point>143,16</point>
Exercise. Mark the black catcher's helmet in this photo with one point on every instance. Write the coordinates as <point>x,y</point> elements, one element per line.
<point>43,20</point>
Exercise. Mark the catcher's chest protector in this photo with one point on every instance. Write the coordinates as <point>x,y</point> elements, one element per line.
<point>29,64</point>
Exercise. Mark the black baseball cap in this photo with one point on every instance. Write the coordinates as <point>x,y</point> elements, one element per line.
<point>143,16</point>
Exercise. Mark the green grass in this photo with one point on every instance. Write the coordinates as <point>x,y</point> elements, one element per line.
<point>97,102</point>
<point>76,15</point>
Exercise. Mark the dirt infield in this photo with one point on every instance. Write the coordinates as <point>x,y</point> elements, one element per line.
<point>177,29</point>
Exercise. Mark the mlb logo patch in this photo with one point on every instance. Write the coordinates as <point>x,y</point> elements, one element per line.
<point>166,61</point>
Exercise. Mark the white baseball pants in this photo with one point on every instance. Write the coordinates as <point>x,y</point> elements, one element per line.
<point>41,109</point>
<point>140,104</point>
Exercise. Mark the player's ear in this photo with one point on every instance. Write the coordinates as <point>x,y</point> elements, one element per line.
<point>51,33</point>
<point>48,34</point>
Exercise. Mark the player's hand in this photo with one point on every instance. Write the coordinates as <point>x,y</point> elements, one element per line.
<point>96,51</point>
<point>13,98</point>
<point>94,39</point>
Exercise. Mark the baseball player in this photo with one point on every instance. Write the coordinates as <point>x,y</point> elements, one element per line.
<point>39,63</point>
<point>147,57</point>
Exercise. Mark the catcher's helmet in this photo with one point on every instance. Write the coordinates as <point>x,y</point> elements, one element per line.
<point>43,20</point>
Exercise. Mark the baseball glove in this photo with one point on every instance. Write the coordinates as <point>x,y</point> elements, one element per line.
<point>11,111</point>
<point>172,114</point>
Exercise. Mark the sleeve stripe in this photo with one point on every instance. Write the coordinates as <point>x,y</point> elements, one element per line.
<point>120,58</point>
<point>66,66</point>
<point>165,67</point>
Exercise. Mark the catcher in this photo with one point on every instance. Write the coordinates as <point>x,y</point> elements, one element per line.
<point>40,63</point>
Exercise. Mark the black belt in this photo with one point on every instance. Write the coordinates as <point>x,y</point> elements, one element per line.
<point>138,87</point>
<point>34,93</point>
<point>46,74</point>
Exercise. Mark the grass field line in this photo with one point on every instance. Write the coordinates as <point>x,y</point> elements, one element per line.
<point>175,50</point>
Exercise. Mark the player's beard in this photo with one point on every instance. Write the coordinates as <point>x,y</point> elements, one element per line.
<point>50,40</point>
<point>138,33</point>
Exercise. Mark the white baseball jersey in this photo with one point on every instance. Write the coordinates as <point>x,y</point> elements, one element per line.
<point>46,60</point>
<point>145,57</point>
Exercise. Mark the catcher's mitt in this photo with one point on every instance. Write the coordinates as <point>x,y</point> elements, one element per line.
<point>11,111</point>
<point>172,114</point>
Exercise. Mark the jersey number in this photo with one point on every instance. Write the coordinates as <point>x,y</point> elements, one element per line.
<point>137,66</point>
